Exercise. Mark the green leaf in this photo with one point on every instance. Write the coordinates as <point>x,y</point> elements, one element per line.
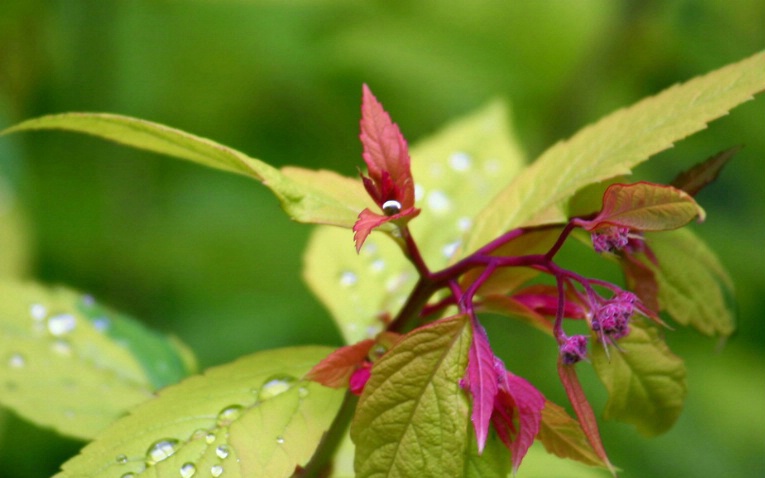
<point>412,419</point>
<point>563,436</point>
<point>614,145</point>
<point>646,382</point>
<point>251,418</point>
<point>72,364</point>
<point>694,288</point>
<point>494,462</point>
<point>14,244</point>
<point>302,200</point>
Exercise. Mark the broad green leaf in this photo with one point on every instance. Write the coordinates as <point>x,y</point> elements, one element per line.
<point>251,418</point>
<point>614,145</point>
<point>693,286</point>
<point>73,365</point>
<point>646,382</point>
<point>540,464</point>
<point>312,203</point>
<point>455,172</point>
<point>412,419</point>
<point>563,436</point>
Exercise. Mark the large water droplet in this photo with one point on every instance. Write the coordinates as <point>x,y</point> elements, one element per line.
<point>121,459</point>
<point>210,438</point>
<point>276,385</point>
<point>17,361</point>
<point>229,414</point>
<point>61,324</point>
<point>161,450</point>
<point>38,311</point>
<point>460,161</point>
<point>188,470</point>
<point>222,451</point>
<point>348,279</point>
<point>216,471</point>
<point>280,440</point>
<point>439,202</point>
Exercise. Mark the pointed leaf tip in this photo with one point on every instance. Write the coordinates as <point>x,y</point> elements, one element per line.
<point>482,378</point>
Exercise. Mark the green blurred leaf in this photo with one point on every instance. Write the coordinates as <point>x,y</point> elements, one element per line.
<point>251,418</point>
<point>14,241</point>
<point>694,288</point>
<point>303,201</point>
<point>412,419</point>
<point>646,382</point>
<point>75,366</point>
<point>615,144</point>
<point>494,462</point>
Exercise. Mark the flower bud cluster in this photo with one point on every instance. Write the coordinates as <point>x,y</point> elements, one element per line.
<point>573,349</point>
<point>611,320</point>
<point>610,239</point>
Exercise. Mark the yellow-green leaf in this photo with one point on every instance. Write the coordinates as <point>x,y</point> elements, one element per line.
<point>614,145</point>
<point>70,364</point>
<point>412,419</point>
<point>254,417</point>
<point>646,382</point>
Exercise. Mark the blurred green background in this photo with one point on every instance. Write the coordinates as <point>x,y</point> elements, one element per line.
<point>211,258</point>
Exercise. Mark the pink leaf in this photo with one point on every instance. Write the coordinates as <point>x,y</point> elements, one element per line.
<point>336,369</point>
<point>481,380</point>
<point>369,220</point>
<point>526,404</point>
<point>645,207</point>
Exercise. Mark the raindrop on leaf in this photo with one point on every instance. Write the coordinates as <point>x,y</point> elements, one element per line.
<point>276,385</point>
<point>161,450</point>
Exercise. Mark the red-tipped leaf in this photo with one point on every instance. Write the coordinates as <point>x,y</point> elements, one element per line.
<point>335,369</point>
<point>481,380</point>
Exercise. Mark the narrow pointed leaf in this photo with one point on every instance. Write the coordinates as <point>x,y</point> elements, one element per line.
<point>614,145</point>
<point>310,203</point>
<point>646,383</point>
<point>412,419</point>
<point>335,369</point>
<point>251,418</point>
<point>694,288</point>
<point>529,403</point>
<point>74,365</point>
<point>562,436</point>
<point>694,180</point>
<point>482,382</point>
<point>645,207</point>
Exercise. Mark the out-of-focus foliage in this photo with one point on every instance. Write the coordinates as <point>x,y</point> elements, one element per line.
<point>210,256</point>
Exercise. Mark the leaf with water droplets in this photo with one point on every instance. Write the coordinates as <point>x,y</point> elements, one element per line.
<point>215,425</point>
<point>614,145</point>
<point>74,365</point>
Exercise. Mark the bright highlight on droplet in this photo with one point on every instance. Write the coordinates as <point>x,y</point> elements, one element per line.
<point>188,470</point>
<point>61,324</point>
<point>161,450</point>
<point>348,279</point>
<point>229,414</point>
<point>460,161</point>
<point>38,311</point>
<point>439,202</point>
<point>17,361</point>
<point>216,471</point>
<point>276,385</point>
<point>222,451</point>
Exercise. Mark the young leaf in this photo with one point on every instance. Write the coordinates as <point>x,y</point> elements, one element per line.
<point>303,202</point>
<point>335,370</point>
<point>73,365</point>
<point>694,180</point>
<point>614,145</point>
<point>482,380</point>
<point>693,285</point>
<point>645,207</point>
<point>251,418</point>
<point>562,436</point>
<point>646,383</point>
<point>412,418</point>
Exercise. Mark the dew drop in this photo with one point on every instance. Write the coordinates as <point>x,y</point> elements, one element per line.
<point>121,459</point>
<point>222,451</point>
<point>439,202</point>
<point>161,450</point>
<point>302,392</point>
<point>61,324</point>
<point>276,385</point>
<point>449,249</point>
<point>101,324</point>
<point>216,471</point>
<point>229,414</point>
<point>188,470</point>
<point>377,265</point>
<point>348,279</point>
<point>128,475</point>
<point>210,438</point>
<point>460,161</point>
<point>38,311</point>
<point>280,439</point>
<point>464,224</point>
<point>419,192</point>
<point>17,361</point>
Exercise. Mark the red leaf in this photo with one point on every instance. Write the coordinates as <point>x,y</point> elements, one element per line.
<point>576,396</point>
<point>694,180</point>
<point>385,151</point>
<point>645,207</point>
<point>529,403</point>
<point>481,379</point>
<point>336,369</point>
<point>369,220</point>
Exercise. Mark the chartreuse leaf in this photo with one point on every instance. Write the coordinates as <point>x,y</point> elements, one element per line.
<point>614,145</point>
<point>494,462</point>
<point>563,436</point>
<point>693,285</point>
<point>646,382</point>
<point>412,419</point>
<point>310,203</point>
<point>71,364</point>
<point>254,417</point>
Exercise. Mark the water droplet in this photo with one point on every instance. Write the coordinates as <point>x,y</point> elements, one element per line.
<point>209,438</point>
<point>464,224</point>
<point>17,361</point>
<point>161,450</point>
<point>377,265</point>
<point>439,202</point>
<point>302,392</point>
<point>38,311</point>
<point>61,347</point>
<point>449,249</point>
<point>222,451</point>
<point>188,470</point>
<point>369,248</point>
<point>348,279</point>
<point>101,324</point>
<point>275,385</point>
<point>88,300</point>
<point>229,414</point>
<point>61,324</point>
<point>121,459</point>
<point>460,161</point>
<point>216,470</point>
<point>280,439</point>
<point>128,475</point>
<point>419,192</point>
